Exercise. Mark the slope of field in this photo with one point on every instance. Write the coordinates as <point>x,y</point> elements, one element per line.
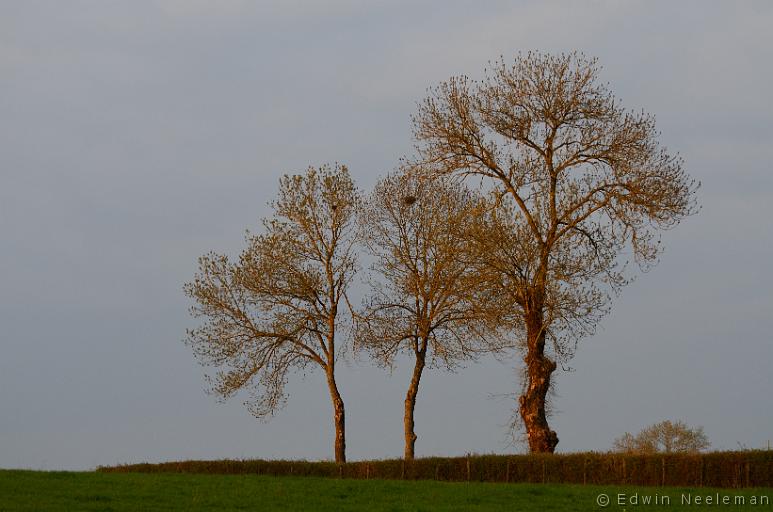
<point>65,491</point>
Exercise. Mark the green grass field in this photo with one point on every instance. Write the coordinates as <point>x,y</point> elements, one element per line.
<point>71,491</point>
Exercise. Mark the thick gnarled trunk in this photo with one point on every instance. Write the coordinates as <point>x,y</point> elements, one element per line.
<point>410,406</point>
<point>539,368</point>
<point>339,418</point>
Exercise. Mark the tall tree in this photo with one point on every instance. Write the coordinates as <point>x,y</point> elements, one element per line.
<point>426,297</point>
<point>278,307</point>
<point>577,179</point>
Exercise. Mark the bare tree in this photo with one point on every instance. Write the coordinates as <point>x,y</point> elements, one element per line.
<point>577,178</point>
<point>277,309</point>
<point>426,297</point>
<point>664,437</point>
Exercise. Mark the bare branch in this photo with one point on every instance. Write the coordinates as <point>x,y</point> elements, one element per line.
<point>276,309</point>
<point>575,179</point>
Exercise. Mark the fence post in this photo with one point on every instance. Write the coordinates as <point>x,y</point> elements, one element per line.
<point>437,471</point>
<point>507,472</point>
<point>367,471</point>
<point>584,472</point>
<point>543,469</point>
<point>700,481</point>
<point>625,475</point>
<point>468,469</point>
<point>748,471</point>
<point>663,471</point>
<point>402,474</point>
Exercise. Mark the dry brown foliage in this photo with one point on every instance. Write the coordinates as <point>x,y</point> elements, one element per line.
<point>426,294</point>
<point>577,181</point>
<point>664,437</point>
<point>278,308</point>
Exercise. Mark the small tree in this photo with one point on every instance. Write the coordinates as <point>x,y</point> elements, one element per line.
<point>426,297</point>
<point>580,178</point>
<point>664,437</point>
<point>278,308</point>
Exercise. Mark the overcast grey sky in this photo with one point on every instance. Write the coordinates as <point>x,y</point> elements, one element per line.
<point>137,135</point>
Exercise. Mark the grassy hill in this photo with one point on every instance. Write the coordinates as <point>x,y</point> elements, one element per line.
<point>99,491</point>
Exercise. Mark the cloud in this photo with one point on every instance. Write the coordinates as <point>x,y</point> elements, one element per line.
<point>138,135</point>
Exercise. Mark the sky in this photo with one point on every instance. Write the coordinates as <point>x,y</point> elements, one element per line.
<point>138,135</point>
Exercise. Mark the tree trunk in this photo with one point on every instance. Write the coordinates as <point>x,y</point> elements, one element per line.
<point>532,402</point>
<point>410,405</point>
<point>339,418</point>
